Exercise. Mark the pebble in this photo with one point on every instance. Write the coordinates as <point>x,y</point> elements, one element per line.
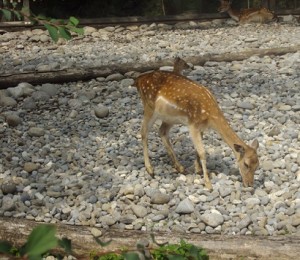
<point>74,152</point>
<point>36,131</point>
<point>212,219</point>
<point>101,111</point>
<point>159,198</point>
<point>13,120</point>
<point>185,207</point>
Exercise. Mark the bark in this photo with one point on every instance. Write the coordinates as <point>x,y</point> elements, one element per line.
<point>71,75</point>
<point>217,246</point>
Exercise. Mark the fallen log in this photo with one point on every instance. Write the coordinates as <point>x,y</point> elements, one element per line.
<point>217,246</point>
<point>72,75</point>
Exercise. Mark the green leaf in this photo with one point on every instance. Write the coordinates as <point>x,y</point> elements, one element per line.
<point>7,14</point>
<point>131,256</point>
<point>5,247</point>
<point>79,31</point>
<point>52,32</point>
<point>41,17</point>
<point>41,239</point>
<point>101,243</point>
<point>64,33</point>
<point>66,244</point>
<point>176,257</point>
<point>18,15</point>
<point>73,20</point>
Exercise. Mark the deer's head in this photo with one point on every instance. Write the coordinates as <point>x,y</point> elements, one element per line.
<point>247,160</point>
<point>224,6</point>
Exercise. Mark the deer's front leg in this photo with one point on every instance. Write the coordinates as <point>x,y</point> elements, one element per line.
<point>163,132</point>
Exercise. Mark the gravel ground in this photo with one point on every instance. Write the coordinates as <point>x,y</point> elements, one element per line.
<point>72,153</point>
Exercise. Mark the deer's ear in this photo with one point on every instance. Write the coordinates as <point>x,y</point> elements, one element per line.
<point>255,144</point>
<point>239,149</point>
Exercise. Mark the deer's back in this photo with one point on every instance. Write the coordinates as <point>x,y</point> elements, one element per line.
<point>169,93</point>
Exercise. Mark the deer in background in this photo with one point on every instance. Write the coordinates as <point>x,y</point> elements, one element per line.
<point>180,65</point>
<point>175,99</point>
<point>251,15</point>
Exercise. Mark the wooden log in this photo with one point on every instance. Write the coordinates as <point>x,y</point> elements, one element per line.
<point>71,75</point>
<point>16,231</point>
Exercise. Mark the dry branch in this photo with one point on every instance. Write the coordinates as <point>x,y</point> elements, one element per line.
<point>217,246</point>
<point>71,75</point>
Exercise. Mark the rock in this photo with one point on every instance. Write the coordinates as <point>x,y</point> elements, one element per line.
<point>50,89</point>
<point>88,30</point>
<point>23,89</point>
<point>127,189</point>
<point>7,204</point>
<point>13,120</point>
<point>251,202</point>
<point>212,219</point>
<point>96,232</point>
<point>115,77</point>
<point>44,38</point>
<point>139,211</point>
<point>285,108</point>
<point>40,96</point>
<point>139,190</point>
<point>36,131</point>
<point>30,167</point>
<point>185,207</point>
<point>8,188</point>
<point>125,83</point>
<point>101,111</point>
<point>29,103</point>
<point>225,191</point>
<point>7,101</point>
<point>267,165</point>
<point>158,197</point>
<point>274,131</point>
<point>244,223</point>
<point>245,105</point>
<point>75,103</point>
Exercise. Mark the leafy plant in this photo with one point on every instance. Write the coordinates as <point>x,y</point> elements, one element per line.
<point>43,239</point>
<point>40,241</point>
<point>57,28</point>
<point>180,251</point>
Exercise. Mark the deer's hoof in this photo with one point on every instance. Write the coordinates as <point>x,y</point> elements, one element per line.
<point>180,168</point>
<point>208,185</point>
<point>150,171</point>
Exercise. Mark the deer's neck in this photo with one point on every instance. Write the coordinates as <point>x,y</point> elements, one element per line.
<point>234,14</point>
<point>221,126</point>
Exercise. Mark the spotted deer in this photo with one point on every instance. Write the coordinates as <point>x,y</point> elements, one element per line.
<point>175,99</point>
<point>180,65</point>
<point>251,15</point>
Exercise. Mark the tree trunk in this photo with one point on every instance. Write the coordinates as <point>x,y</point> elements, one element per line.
<point>71,75</point>
<point>217,246</point>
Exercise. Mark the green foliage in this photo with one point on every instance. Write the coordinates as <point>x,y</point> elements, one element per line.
<point>57,28</point>
<point>43,239</point>
<point>110,256</point>
<point>179,252</point>
<point>40,241</point>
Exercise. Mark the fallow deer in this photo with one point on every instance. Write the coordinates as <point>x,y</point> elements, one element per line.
<point>251,15</point>
<point>175,99</point>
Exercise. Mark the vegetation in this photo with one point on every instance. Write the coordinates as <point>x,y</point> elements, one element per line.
<point>43,239</point>
<point>57,28</point>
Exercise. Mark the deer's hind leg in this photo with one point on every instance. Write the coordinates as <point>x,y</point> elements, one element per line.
<point>148,121</point>
<point>197,141</point>
<point>163,132</point>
